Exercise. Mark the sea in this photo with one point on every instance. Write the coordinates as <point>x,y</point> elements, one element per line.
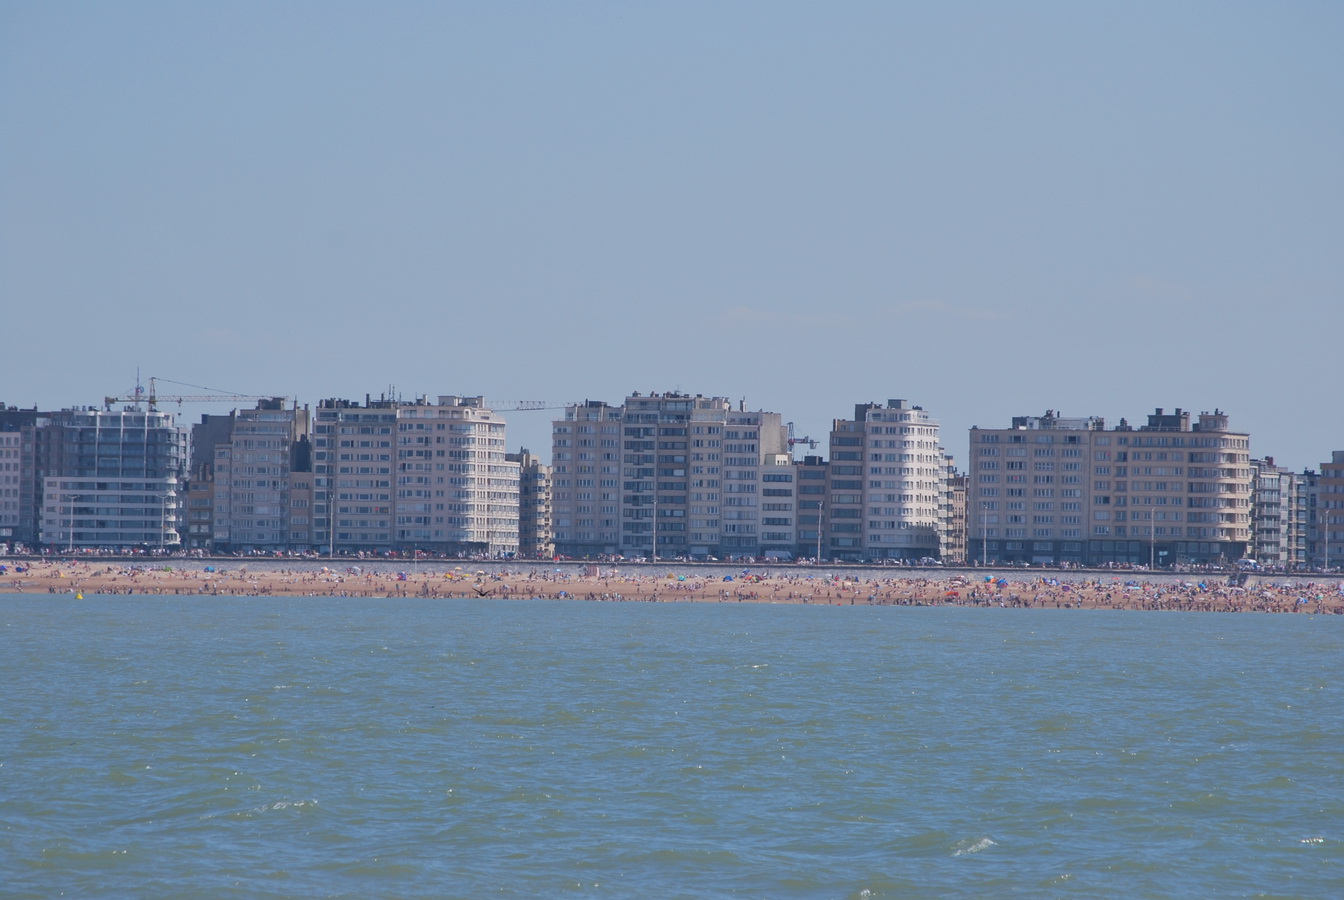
<point>272,747</point>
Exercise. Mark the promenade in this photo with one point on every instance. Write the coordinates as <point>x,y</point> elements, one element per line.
<point>1013,589</point>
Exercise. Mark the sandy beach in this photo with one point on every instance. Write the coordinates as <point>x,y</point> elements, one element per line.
<point>1007,590</point>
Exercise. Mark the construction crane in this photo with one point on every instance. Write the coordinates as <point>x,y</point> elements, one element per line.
<point>800,440</point>
<point>524,405</point>
<point>152,397</point>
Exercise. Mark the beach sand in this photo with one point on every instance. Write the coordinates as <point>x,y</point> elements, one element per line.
<point>1016,590</point>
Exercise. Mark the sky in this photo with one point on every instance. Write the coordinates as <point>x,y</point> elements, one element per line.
<point>986,209</point>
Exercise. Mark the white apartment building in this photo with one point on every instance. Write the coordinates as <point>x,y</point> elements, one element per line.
<point>889,494</point>
<point>1052,489</point>
<point>1278,516</point>
<point>456,490</point>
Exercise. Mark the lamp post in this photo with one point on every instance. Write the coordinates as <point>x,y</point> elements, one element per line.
<point>1152,538</point>
<point>821,507</point>
<point>653,554</point>
<point>984,533</point>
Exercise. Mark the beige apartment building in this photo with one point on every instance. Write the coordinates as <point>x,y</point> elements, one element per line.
<point>680,473</point>
<point>1052,489</point>
<point>586,480</point>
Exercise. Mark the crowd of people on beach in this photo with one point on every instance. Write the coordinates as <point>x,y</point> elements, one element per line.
<point>605,584</point>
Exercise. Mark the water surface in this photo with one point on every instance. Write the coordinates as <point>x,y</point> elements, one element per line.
<point>304,747</point>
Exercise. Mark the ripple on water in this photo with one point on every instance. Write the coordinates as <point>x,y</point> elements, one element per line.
<point>252,748</point>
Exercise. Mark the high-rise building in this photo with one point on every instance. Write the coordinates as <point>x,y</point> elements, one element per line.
<point>207,436</point>
<point>955,552</point>
<point>1278,516</point>
<point>656,472</point>
<point>671,471</point>
<point>755,513</point>
<point>1053,489</point>
<point>536,536</point>
<point>812,475</point>
<point>20,489</point>
<point>1330,513</point>
<point>888,494</point>
<point>586,447</point>
<point>253,472</point>
<point>110,479</point>
<point>456,490</point>
<point>353,448</point>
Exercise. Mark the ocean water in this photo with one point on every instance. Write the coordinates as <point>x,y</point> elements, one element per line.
<point>320,747</point>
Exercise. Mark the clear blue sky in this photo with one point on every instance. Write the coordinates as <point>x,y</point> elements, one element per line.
<point>988,209</point>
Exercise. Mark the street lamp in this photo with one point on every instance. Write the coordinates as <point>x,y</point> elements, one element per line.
<point>821,506</point>
<point>1152,538</point>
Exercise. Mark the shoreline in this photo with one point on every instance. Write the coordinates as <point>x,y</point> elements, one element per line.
<point>1130,591</point>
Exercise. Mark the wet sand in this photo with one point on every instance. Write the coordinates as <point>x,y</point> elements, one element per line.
<point>1018,590</point>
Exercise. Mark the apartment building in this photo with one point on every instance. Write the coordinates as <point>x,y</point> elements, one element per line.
<point>1278,516</point>
<point>205,437</point>
<point>20,495</point>
<point>757,490</point>
<point>888,496</point>
<point>110,479</point>
<point>1053,489</point>
<point>954,552</point>
<point>676,472</point>
<point>779,507</point>
<point>252,477</point>
<point>659,432</point>
<point>811,479</point>
<point>353,449</point>
<point>536,534</point>
<point>1330,513</point>
<point>456,492</point>
<point>586,449</point>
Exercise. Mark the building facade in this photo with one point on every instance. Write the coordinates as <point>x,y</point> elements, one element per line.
<point>536,535</point>
<point>456,492</point>
<point>353,449</point>
<point>586,448</point>
<point>671,475</point>
<point>888,497</point>
<point>1330,513</point>
<point>20,494</point>
<point>253,471</point>
<point>1278,516</point>
<point>110,479</point>
<point>1057,490</point>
